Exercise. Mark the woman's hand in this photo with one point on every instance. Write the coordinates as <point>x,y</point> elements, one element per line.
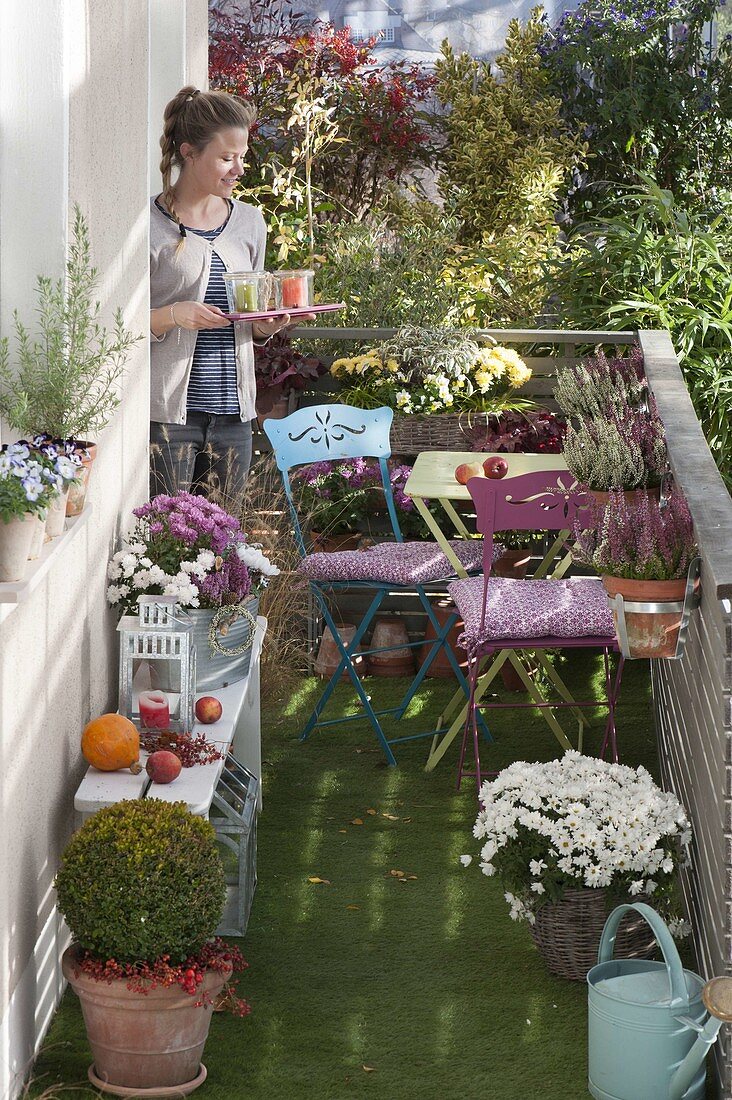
<point>268,326</point>
<point>196,315</point>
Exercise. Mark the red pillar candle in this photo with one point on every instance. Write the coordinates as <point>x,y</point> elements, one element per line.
<point>154,710</point>
<point>295,292</point>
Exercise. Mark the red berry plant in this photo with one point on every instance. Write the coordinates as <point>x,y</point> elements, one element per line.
<point>383,114</point>
<point>142,888</point>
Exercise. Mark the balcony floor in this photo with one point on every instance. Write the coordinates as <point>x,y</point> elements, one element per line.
<point>416,990</point>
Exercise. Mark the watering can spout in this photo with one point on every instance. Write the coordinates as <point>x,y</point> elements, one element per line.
<point>717,997</point>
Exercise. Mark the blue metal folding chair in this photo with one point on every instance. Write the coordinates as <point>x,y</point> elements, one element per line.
<point>336,432</point>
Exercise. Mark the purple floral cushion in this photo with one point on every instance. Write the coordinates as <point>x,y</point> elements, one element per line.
<point>393,562</point>
<point>574,608</point>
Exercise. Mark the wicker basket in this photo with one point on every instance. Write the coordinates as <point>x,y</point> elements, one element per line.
<point>441,432</point>
<point>567,933</point>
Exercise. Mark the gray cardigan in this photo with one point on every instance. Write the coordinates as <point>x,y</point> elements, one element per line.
<point>184,278</point>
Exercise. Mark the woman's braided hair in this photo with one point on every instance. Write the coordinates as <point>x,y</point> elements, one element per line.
<point>193,116</point>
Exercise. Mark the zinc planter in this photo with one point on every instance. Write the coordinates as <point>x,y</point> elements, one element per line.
<point>213,668</point>
<point>143,1043</point>
<point>650,633</point>
<point>16,537</point>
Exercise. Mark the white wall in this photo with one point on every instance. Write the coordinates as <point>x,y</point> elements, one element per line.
<point>74,127</point>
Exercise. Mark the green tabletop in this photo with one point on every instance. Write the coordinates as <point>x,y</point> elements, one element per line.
<point>433,473</point>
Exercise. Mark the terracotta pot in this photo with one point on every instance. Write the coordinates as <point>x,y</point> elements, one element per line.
<point>148,1040</point>
<point>329,655</point>
<point>39,533</point>
<point>513,563</point>
<point>390,630</point>
<point>78,488</point>
<point>650,633</point>
<point>332,544</point>
<point>633,497</point>
<point>272,404</point>
<point>16,537</point>
<point>441,669</point>
<point>56,517</point>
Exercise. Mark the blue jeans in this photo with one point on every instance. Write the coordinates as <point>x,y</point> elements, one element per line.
<point>210,452</point>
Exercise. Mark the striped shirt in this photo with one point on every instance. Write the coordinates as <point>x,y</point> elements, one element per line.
<point>212,385</point>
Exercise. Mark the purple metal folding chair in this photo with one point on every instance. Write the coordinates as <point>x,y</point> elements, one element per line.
<point>505,614</point>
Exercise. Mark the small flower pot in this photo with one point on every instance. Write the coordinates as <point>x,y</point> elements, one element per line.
<point>513,563</point>
<point>272,404</point>
<point>78,487</point>
<point>441,669</point>
<point>329,655</point>
<point>389,630</point>
<point>333,544</point>
<point>39,534</point>
<point>650,633</point>
<point>56,517</point>
<point>16,537</point>
<point>144,1041</point>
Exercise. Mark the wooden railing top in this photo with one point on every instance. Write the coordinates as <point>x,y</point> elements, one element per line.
<point>691,461</point>
<point>513,335</point>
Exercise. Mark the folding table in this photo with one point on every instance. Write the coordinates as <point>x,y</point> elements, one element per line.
<point>433,479</point>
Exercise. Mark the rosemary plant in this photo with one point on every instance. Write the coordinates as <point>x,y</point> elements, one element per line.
<point>66,381</point>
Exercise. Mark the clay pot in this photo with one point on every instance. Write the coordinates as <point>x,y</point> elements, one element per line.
<point>650,633</point>
<point>333,544</point>
<point>441,669</point>
<point>329,655</point>
<point>633,497</point>
<point>150,1040</point>
<point>78,488</point>
<point>512,563</point>
<point>272,404</point>
<point>16,537</point>
<point>57,515</point>
<point>389,630</point>
<point>39,533</point>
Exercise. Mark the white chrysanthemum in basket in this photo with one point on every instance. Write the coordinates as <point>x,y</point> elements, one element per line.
<point>581,822</point>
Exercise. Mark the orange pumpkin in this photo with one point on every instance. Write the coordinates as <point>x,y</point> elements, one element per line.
<point>110,742</point>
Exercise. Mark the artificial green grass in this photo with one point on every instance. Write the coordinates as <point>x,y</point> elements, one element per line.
<point>372,986</point>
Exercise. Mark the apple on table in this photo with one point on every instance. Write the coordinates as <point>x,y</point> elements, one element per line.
<point>466,470</point>
<point>495,467</point>
<point>208,710</point>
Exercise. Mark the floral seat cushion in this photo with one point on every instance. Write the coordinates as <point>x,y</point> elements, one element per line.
<point>392,563</point>
<point>574,608</point>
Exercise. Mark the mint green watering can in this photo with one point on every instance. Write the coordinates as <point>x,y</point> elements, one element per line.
<point>650,1023</point>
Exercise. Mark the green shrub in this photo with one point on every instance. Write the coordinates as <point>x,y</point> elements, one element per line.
<point>508,153</point>
<point>142,879</point>
<point>658,265</point>
<point>639,82</point>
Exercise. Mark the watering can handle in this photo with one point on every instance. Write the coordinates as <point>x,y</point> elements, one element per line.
<point>677,981</point>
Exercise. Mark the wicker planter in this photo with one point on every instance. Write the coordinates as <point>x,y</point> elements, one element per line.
<point>441,432</point>
<point>567,933</point>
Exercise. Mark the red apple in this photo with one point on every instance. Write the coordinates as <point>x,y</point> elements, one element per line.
<point>163,766</point>
<point>208,709</point>
<point>495,467</point>
<point>466,470</point>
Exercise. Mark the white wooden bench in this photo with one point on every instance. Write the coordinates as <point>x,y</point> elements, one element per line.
<point>239,729</point>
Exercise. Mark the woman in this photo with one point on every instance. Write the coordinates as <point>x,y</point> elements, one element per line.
<point>202,365</point>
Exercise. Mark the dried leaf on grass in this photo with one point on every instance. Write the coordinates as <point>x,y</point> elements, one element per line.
<point>390,817</point>
<point>368,1069</point>
<point>320,881</point>
<point>357,821</point>
<point>353,907</point>
<point>371,813</point>
<point>402,876</point>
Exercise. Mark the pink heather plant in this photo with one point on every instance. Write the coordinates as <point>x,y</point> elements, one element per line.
<point>648,540</point>
<point>186,546</point>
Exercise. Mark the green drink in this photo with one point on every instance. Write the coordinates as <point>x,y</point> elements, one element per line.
<point>246,297</point>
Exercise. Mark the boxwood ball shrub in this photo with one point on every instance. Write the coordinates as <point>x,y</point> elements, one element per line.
<point>142,879</point>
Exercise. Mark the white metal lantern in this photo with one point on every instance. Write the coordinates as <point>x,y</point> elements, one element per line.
<point>156,651</point>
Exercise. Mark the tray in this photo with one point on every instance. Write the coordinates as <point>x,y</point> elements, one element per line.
<point>295,312</point>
